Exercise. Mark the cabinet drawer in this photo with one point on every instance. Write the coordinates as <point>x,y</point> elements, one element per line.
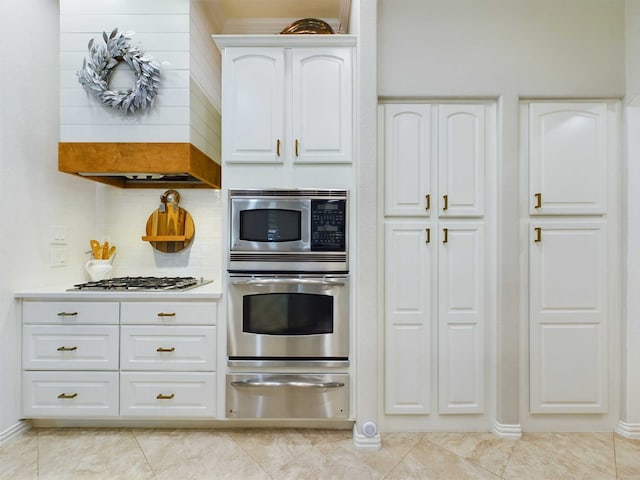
<point>160,394</point>
<point>175,348</point>
<point>70,394</point>
<point>70,347</point>
<point>73,313</point>
<point>169,313</point>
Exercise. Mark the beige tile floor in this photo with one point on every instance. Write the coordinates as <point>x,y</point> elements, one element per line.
<point>132,454</point>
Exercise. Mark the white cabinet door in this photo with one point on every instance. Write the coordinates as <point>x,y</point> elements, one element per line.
<point>70,347</point>
<point>567,158</point>
<point>175,348</point>
<point>407,153</point>
<point>461,306</point>
<point>461,160</point>
<point>322,105</point>
<point>408,269</point>
<point>253,105</point>
<point>568,317</point>
<point>69,394</point>
<point>167,395</point>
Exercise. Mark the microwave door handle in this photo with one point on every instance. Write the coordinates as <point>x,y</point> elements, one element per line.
<point>287,281</point>
<point>288,383</point>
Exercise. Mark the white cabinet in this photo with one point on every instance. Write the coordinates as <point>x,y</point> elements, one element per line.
<point>568,150</point>
<point>461,318</point>
<point>435,177</point>
<point>286,103</point>
<point>409,264</point>
<point>407,166</point>
<point>167,395</point>
<point>70,359</point>
<point>453,184</point>
<point>90,359</point>
<point>568,317</point>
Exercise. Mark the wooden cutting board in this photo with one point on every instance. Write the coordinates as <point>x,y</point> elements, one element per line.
<point>171,230</point>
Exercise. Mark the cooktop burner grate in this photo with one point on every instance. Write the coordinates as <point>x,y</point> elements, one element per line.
<point>142,283</point>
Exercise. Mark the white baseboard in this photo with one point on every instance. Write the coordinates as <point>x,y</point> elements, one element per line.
<point>628,430</point>
<point>13,431</point>
<point>513,432</point>
<point>363,442</point>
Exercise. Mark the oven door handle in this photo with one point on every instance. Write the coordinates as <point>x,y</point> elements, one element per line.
<point>287,383</point>
<point>287,281</point>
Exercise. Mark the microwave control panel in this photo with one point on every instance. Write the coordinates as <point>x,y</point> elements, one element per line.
<point>328,225</point>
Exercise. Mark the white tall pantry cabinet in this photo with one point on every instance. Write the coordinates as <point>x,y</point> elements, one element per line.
<point>570,150</point>
<point>436,278</point>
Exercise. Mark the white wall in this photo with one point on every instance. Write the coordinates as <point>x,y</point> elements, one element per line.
<point>33,194</point>
<point>507,50</point>
<point>630,415</point>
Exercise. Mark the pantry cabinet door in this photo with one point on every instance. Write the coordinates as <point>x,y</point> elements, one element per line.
<point>567,158</point>
<point>407,154</point>
<point>461,160</point>
<point>568,317</point>
<point>461,306</point>
<point>408,268</point>
<point>322,105</point>
<point>253,105</point>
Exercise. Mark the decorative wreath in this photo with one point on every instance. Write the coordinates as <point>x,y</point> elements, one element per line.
<point>96,73</point>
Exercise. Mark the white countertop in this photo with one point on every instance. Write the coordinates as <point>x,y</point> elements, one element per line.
<point>209,291</point>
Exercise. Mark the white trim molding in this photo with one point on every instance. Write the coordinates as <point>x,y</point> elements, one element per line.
<point>513,432</point>
<point>13,431</point>
<point>364,442</point>
<point>628,430</point>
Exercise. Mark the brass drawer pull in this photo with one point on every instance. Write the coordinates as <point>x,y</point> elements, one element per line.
<point>160,396</point>
<point>538,231</point>
<point>445,202</point>
<point>164,314</point>
<point>66,349</point>
<point>445,232</point>
<point>161,349</point>
<point>64,395</point>
<point>427,198</point>
<point>67,314</point>
<point>278,147</point>
<point>538,197</point>
<point>297,148</point>
<point>428,231</point>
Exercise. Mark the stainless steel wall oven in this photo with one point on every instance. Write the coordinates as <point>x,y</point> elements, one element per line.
<point>288,304</point>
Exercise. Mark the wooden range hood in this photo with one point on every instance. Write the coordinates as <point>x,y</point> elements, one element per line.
<point>140,165</point>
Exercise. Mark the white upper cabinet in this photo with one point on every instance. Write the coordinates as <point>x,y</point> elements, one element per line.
<point>567,147</point>
<point>461,160</point>
<point>286,103</point>
<point>407,151</point>
<point>322,110</point>
<point>253,104</point>
<point>416,133</point>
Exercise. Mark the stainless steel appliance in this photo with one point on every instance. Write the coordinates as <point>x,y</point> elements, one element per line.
<point>144,284</point>
<point>288,319</point>
<point>286,396</point>
<point>288,230</point>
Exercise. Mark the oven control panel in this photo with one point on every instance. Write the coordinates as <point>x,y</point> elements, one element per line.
<point>328,225</point>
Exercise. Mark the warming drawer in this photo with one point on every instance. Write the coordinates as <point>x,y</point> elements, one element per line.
<point>288,396</point>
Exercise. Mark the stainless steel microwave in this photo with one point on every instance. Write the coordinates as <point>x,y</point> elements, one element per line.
<point>288,231</point>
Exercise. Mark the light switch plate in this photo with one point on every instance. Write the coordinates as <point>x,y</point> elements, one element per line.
<point>58,235</point>
<point>57,256</point>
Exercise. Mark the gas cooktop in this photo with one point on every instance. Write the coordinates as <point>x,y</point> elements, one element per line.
<point>142,284</point>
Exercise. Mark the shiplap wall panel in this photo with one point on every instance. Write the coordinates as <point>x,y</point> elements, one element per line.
<point>136,7</point>
<point>205,69</point>
<point>177,34</point>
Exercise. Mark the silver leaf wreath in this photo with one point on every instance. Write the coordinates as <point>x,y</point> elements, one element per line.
<point>97,69</point>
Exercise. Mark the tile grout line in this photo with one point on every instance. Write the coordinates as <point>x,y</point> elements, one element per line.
<point>135,437</point>
<point>422,435</point>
